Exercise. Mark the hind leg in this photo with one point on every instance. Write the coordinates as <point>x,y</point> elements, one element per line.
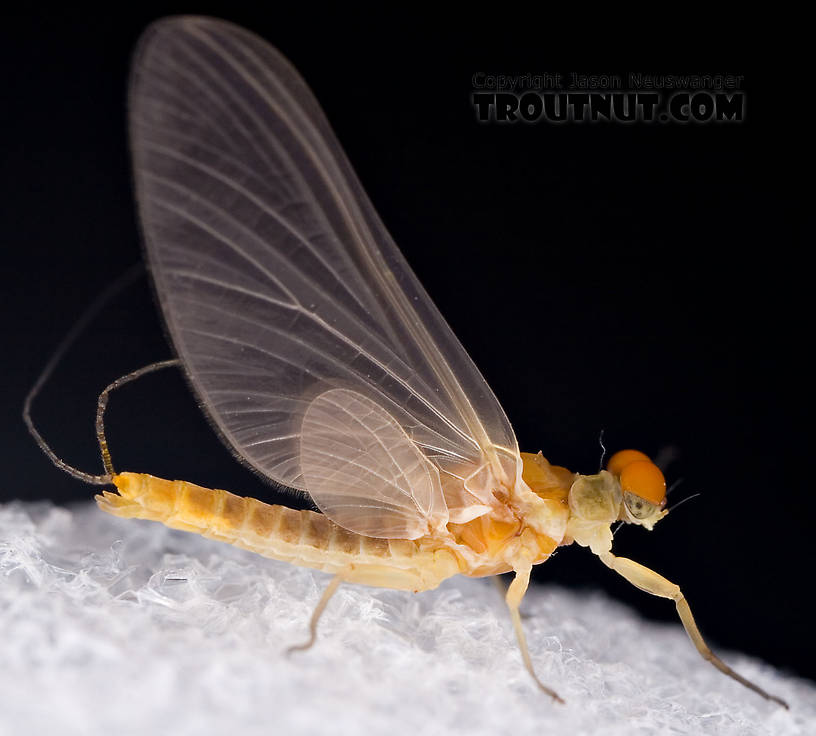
<point>331,589</point>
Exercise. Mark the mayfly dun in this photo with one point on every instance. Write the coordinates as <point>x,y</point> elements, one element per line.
<point>321,360</point>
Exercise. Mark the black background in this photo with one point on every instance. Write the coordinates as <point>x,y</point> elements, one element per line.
<point>647,280</point>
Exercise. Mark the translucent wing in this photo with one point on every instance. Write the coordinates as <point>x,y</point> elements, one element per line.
<point>365,469</point>
<point>280,284</point>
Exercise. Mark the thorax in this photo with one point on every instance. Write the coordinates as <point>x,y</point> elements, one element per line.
<point>530,522</point>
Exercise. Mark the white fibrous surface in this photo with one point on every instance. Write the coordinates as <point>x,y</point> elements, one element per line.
<point>113,626</point>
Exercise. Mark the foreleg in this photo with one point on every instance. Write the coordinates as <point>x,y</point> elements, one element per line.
<point>648,580</point>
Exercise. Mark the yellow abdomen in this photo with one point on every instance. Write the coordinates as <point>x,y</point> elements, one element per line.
<point>300,537</point>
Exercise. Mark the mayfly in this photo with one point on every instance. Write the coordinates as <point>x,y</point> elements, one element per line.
<point>321,360</point>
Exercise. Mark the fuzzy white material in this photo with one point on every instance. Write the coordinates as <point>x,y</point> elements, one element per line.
<point>114,626</point>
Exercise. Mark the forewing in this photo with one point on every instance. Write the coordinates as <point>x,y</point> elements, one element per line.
<point>277,280</point>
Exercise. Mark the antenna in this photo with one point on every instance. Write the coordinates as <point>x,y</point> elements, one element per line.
<point>603,451</point>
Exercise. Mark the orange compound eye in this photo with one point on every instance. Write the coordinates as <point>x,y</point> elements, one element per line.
<point>621,459</point>
<point>644,479</point>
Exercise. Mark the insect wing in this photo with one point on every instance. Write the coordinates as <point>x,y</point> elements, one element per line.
<point>279,284</point>
<point>365,471</point>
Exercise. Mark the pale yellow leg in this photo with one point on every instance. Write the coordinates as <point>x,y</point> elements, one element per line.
<point>648,580</point>
<point>501,586</point>
<point>331,589</point>
<point>515,593</point>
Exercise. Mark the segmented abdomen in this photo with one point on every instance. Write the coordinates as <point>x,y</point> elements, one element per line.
<point>301,537</point>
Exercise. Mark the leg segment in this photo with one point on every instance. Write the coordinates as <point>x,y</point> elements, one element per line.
<point>649,581</point>
<point>515,592</point>
<point>331,589</point>
<point>501,587</point>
